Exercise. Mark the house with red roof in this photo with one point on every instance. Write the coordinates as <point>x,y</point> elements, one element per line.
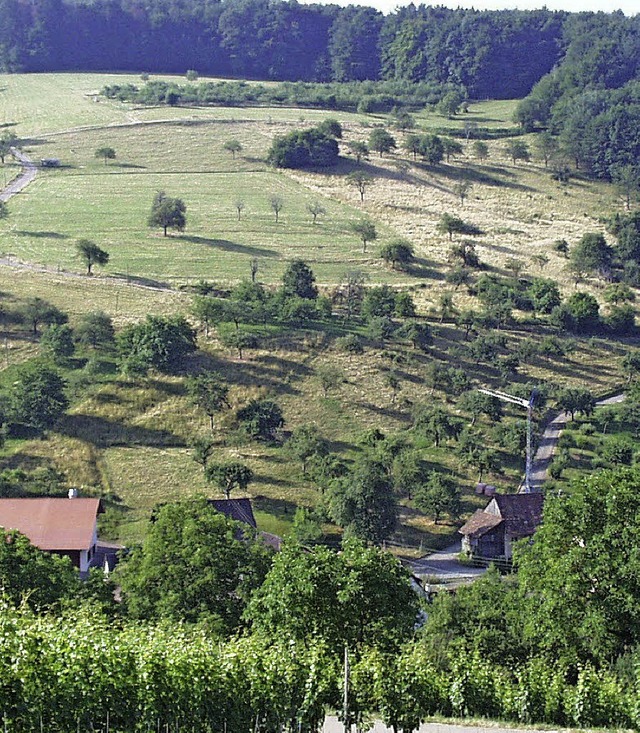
<point>491,531</point>
<point>61,526</point>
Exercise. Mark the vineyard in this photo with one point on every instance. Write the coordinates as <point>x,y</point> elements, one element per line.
<point>81,672</point>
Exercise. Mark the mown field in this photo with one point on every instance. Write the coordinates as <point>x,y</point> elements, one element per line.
<point>129,437</point>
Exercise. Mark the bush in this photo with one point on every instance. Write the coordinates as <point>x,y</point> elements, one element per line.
<point>303,149</point>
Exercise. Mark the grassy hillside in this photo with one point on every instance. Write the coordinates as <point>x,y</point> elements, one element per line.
<point>130,438</point>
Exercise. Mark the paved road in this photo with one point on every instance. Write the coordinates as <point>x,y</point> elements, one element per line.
<point>444,567</point>
<point>333,725</point>
<point>29,172</point>
<point>549,440</point>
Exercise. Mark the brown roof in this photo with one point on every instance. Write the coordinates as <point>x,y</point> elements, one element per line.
<point>522,513</point>
<point>52,524</point>
<point>480,523</point>
<point>238,509</point>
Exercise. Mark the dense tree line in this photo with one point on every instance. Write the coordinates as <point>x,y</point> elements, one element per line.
<point>590,102</point>
<point>290,41</point>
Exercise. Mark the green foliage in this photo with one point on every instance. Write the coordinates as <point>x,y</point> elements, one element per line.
<point>381,141</point>
<point>399,253</point>
<point>363,504</point>
<point>106,153</point>
<point>159,342</point>
<point>57,341</point>
<point>310,148</point>
<point>260,419</point>
<point>299,280</point>
<point>366,231</point>
<point>579,578</point>
<point>193,566</point>
<point>167,212</point>
<point>39,579</point>
<point>37,399</point>
<point>592,253</point>
<point>579,313</point>
<point>439,495</point>
<point>360,597</point>
<point>361,181</point>
<point>233,147</point>
<point>517,150</point>
<point>434,423</point>
<point>37,311</point>
<point>95,330</point>
<point>306,442</point>
<point>209,393</point>
<point>91,254</point>
<point>229,476</point>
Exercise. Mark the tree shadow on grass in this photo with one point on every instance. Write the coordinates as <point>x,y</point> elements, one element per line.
<point>227,246</point>
<point>128,165</point>
<point>41,235</point>
<point>105,433</point>
<point>276,507</point>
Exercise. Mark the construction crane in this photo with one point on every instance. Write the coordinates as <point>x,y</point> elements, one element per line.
<point>529,406</point>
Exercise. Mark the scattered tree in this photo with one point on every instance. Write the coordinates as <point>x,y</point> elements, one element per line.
<point>95,330</point>
<point>239,204</point>
<point>480,150</point>
<point>330,377</point>
<point>305,443</point>
<point>106,153</point>
<point>361,181</point>
<point>260,419</point>
<point>461,190</point>
<point>366,230</point>
<point>399,253</point>
<point>299,280</point>
<point>91,254</point>
<point>360,149</point>
<point>451,147</point>
<point>381,141</point>
<point>439,495</point>
<point>38,310</point>
<point>209,393</point>
<point>316,209</point>
<point>233,147</point>
<point>159,342</point>
<point>229,476</point>
<point>168,213</point>
<point>57,341</point>
<point>517,150</point>
<point>276,204</point>
<point>37,399</point>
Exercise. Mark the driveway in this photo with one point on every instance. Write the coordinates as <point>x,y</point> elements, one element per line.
<point>549,440</point>
<point>29,172</point>
<point>444,568</point>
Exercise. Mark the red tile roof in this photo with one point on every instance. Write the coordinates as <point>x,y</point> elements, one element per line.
<point>52,524</point>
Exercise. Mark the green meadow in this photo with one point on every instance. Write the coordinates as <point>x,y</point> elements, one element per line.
<point>129,438</point>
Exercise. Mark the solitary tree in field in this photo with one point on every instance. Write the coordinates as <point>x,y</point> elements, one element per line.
<point>450,225</point>
<point>233,147</point>
<point>361,181</point>
<point>106,153</point>
<point>316,209</point>
<point>276,204</point>
<point>239,204</point>
<point>168,212</point>
<point>91,254</point>
<point>366,230</point>
<point>398,253</point>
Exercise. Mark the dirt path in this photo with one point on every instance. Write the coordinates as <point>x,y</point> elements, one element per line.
<point>549,440</point>
<point>29,172</point>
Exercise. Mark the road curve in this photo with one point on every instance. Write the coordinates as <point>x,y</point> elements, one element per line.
<point>549,440</point>
<point>29,172</point>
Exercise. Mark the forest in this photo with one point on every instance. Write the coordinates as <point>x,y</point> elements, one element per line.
<point>492,54</point>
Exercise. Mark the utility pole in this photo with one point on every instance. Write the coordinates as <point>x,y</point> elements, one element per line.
<point>345,698</point>
<point>529,405</point>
